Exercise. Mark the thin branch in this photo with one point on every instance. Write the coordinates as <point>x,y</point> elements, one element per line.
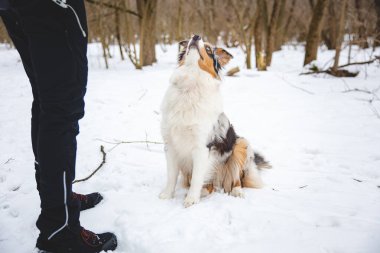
<point>129,142</point>
<point>112,6</point>
<point>295,86</point>
<point>377,58</point>
<point>357,90</point>
<point>97,169</point>
<point>9,160</point>
<point>328,71</point>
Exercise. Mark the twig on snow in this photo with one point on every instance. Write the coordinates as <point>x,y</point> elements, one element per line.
<point>117,143</point>
<point>9,160</point>
<point>357,180</point>
<point>104,154</point>
<point>295,86</point>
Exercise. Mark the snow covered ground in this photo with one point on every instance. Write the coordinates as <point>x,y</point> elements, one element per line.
<point>322,195</point>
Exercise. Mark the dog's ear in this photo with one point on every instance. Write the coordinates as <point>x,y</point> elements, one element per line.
<point>183,43</point>
<point>223,56</point>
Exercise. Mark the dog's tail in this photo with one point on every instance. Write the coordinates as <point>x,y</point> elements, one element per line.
<point>260,161</point>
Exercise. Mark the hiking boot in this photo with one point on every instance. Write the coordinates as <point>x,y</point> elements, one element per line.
<point>89,200</point>
<point>85,241</point>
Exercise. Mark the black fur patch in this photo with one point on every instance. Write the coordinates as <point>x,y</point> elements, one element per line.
<point>261,162</point>
<point>181,55</point>
<point>217,66</point>
<point>226,143</point>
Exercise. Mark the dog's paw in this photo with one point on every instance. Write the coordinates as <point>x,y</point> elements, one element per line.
<point>237,192</point>
<point>190,200</point>
<point>166,194</point>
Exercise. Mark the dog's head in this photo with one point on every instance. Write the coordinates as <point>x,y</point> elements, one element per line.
<point>204,55</point>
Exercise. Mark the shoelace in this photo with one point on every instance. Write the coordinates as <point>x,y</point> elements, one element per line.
<point>79,196</point>
<point>63,4</point>
<point>90,238</point>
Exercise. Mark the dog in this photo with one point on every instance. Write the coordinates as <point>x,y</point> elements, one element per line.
<point>200,142</point>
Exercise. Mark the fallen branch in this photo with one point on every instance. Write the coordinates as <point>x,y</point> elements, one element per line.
<point>9,160</point>
<point>370,101</point>
<point>233,71</point>
<point>377,58</point>
<point>97,169</point>
<point>344,72</point>
<point>357,90</point>
<point>130,142</point>
<point>117,143</point>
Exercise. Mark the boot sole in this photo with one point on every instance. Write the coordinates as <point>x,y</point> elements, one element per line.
<point>111,244</point>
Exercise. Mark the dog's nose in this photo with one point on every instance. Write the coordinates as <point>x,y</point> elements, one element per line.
<point>196,37</point>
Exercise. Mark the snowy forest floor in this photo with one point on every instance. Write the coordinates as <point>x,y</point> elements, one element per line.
<point>321,136</point>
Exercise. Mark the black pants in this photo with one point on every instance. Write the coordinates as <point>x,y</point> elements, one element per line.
<point>53,52</point>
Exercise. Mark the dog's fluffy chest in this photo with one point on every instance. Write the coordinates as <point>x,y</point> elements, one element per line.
<point>190,109</point>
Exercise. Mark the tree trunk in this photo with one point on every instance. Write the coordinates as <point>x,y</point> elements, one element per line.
<point>179,29</point>
<point>280,26</point>
<point>288,22</point>
<point>272,29</point>
<point>340,33</point>
<point>314,33</point>
<point>147,10</point>
<point>377,36</point>
<point>361,37</point>
<point>329,35</point>
<point>118,35</point>
<point>261,35</point>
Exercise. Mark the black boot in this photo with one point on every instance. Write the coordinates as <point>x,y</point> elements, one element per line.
<point>88,201</point>
<point>84,241</point>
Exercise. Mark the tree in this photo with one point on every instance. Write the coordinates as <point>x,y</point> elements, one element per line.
<point>272,30</point>
<point>246,27</point>
<point>314,33</point>
<point>147,26</point>
<point>261,35</point>
<point>361,39</point>
<point>340,33</point>
<point>377,31</point>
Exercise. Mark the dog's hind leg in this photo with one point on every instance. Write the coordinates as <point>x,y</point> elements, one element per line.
<point>172,174</point>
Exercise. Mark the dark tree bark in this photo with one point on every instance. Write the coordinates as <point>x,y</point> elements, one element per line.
<point>272,30</point>
<point>340,33</point>
<point>377,36</point>
<point>361,35</point>
<point>329,34</point>
<point>280,27</point>
<point>314,33</point>
<point>261,35</point>
<point>289,20</point>
<point>147,10</point>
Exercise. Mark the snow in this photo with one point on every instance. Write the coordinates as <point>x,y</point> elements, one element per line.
<point>322,195</point>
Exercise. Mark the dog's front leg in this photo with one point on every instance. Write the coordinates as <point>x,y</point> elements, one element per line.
<point>172,173</point>
<point>200,168</point>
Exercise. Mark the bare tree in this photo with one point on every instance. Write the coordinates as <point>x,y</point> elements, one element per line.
<point>340,33</point>
<point>261,35</point>
<point>246,27</point>
<point>272,30</point>
<point>314,33</point>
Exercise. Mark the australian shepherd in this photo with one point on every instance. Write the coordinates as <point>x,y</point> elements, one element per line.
<point>200,141</point>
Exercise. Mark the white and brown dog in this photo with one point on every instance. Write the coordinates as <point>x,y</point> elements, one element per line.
<point>199,140</point>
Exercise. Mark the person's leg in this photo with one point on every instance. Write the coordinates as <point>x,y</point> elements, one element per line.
<point>19,39</point>
<point>61,89</point>
<point>57,53</point>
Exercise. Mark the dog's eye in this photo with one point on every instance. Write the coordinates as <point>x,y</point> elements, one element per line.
<point>208,50</point>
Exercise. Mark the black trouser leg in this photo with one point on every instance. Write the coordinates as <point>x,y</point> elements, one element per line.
<point>57,53</point>
<point>20,41</point>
